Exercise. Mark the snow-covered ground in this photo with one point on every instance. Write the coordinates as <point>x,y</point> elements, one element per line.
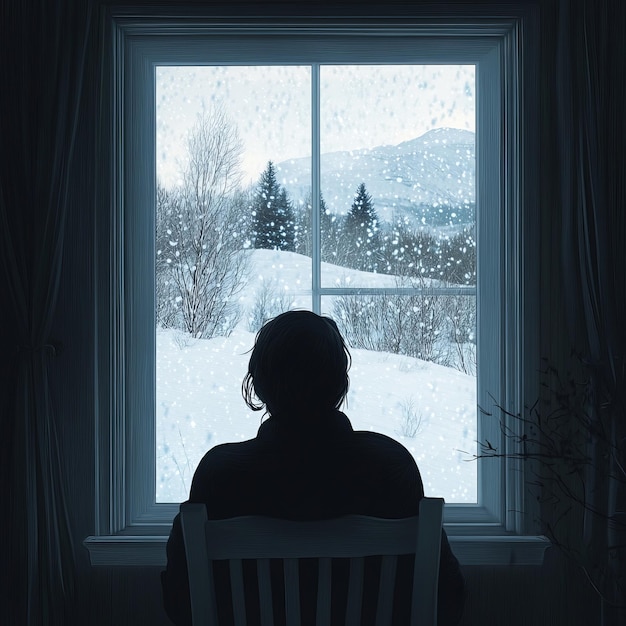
<point>429,408</point>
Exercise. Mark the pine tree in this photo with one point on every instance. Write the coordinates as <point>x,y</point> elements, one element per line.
<point>362,231</point>
<point>264,208</point>
<point>273,224</point>
<point>285,223</point>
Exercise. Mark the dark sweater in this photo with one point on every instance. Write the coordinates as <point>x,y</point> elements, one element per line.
<point>318,473</point>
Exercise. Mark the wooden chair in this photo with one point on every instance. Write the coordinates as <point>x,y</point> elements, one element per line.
<point>353,537</point>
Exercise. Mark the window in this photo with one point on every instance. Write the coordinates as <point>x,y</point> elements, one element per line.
<point>506,326</point>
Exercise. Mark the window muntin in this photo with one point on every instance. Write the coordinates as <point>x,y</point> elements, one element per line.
<point>413,333</point>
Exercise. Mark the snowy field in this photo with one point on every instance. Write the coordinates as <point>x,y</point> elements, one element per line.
<point>429,408</point>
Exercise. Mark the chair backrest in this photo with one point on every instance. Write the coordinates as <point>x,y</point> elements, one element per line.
<point>353,537</point>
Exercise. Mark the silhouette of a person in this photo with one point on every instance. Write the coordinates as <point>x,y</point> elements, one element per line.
<point>307,463</point>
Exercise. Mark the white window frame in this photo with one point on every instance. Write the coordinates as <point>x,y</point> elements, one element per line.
<point>131,527</point>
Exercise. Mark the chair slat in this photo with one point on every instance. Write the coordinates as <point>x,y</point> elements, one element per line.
<point>265,592</point>
<point>426,572</point>
<point>211,599</point>
<point>239,600</point>
<point>323,592</point>
<point>292,592</point>
<point>355,592</point>
<point>385,590</point>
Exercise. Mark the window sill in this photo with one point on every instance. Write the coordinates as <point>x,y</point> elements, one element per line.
<point>149,551</point>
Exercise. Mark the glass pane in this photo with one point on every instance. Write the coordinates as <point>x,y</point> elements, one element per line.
<point>413,379</point>
<point>234,247</point>
<point>231,246</point>
<point>398,172</point>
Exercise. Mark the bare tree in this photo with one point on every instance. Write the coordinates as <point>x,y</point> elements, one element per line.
<point>461,316</point>
<point>201,261</point>
<point>269,302</point>
<point>413,324</point>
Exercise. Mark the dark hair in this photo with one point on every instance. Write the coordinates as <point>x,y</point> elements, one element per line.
<point>299,363</point>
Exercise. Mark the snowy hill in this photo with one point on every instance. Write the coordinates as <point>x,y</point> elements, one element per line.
<point>437,168</point>
<point>429,408</point>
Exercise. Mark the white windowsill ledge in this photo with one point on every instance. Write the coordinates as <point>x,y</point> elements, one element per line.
<point>147,551</point>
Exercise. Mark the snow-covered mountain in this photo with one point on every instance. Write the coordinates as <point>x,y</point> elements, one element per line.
<point>434,170</point>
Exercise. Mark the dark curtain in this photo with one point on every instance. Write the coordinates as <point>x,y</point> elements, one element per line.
<point>591,110</point>
<point>42,52</point>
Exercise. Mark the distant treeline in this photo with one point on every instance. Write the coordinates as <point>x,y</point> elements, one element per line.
<point>359,240</point>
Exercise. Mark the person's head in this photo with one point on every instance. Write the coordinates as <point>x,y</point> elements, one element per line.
<point>299,365</point>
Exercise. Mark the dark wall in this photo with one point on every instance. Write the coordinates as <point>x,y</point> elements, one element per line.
<point>552,595</point>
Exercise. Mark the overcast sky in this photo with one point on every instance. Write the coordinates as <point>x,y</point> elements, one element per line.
<point>361,107</point>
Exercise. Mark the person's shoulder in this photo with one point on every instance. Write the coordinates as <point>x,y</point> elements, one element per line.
<point>375,438</point>
<point>225,452</point>
<point>374,441</point>
<point>224,457</point>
